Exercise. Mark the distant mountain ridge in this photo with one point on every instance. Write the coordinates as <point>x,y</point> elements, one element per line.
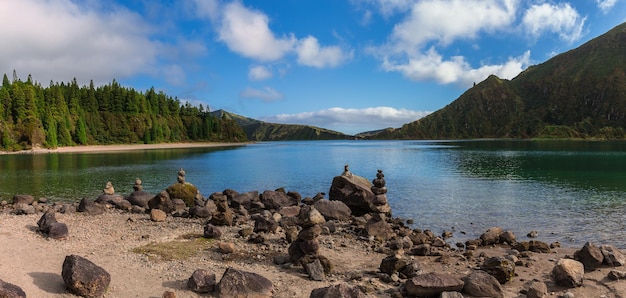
<point>257,130</point>
<point>577,94</point>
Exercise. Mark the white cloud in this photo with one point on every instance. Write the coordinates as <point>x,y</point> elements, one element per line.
<point>266,94</point>
<point>259,73</point>
<point>446,21</point>
<point>387,7</point>
<point>246,32</point>
<point>351,121</point>
<point>432,66</point>
<point>311,54</point>
<point>606,5</point>
<point>59,40</point>
<point>561,19</point>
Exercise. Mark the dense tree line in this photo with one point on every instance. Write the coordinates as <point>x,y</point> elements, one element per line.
<point>65,114</point>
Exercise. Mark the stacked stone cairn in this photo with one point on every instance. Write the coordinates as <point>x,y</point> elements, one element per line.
<point>305,249</point>
<point>379,203</point>
<point>108,196</point>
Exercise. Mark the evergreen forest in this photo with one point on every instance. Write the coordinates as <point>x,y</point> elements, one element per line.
<point>66,114</point>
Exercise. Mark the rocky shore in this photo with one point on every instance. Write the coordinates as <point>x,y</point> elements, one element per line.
<point>276,243</point>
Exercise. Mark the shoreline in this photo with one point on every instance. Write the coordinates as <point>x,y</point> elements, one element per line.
<point>123,147</point>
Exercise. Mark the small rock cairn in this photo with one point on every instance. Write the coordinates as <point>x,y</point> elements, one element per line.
<point>380,203</point>
<point>306,247</point>
<point>108,189</point>
<point>137,186</point>
<point>181,176</point>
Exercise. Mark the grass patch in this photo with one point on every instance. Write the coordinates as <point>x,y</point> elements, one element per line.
<point>184,247</point>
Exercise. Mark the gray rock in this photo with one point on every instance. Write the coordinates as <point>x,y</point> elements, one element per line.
<point>491,236</point>
<point>202,281</point>
<point>568,273</point>
<point>263,224</point>
<point>333,210</point>
<point>309,216</point>
<point>431,284</point>
<point>310,233</point>
<point>421,250</point>
<point>23,209</point>
<point>590,255</point>
<point>315,270</point>
<point>158,215</point>
<point>616,275</point>
<point>379,229</point>
<point>139,198</point>
<point>482,284</point>
<point>46,220</point>
<point>612,256</point>
<point>211,231</point>
<point>354,191</point>
<point>508,237</point>
<point>23,199</point>
<point>201,212</point>
<point>162,202</point>
<point>109,199</point>
<point>274,200</point>
<point>341,290</point>
<point>58,231</point>
<point>500,268</point>
<point>90,207</point>
<point>10,290</point>
<point>537,289</point>
<point>84,278</point>
<point>178,204</point>
<point>392,264</point>
<point>244,199</point>
<point>237,283</point>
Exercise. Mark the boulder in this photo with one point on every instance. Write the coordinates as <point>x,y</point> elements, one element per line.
<point>315,270</point>
<point>379,229</point>
<point>392,264</point>
<point>491,236</point>
<point>533,245</point>
<point>184,191</point>
<point>202,281</point>
<point>211,231</point>
<point>10,290</point>
<point>23,209</point>
<point>84,278</point>
<point>333,210</point>
<point>158,215</point>
<point>354,191</point>
<point>23,199</point>
<point>44,222</point>
<point>568,273</point>
<point>341,290</point>
<point>111,199</point>
<point>274,200</point>
<point>432,284</point>
<point>89,207</point>
<point>537,289</point>
<point>482,284</point>
<point>612,256</point>
<point>590,255</point>
<point>289,211</point>
<point>501,268</point>
<point>238,283</point>
<point>309,216</point>
<point>139,198</point>
<point>264,224</point>
<point>201,212</point>
<point>245,199</point>
<point>162,202</point>
<point>225,218</point>
<point>616,275</point>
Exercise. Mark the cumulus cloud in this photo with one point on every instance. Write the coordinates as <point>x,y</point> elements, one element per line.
<point>267,94</point>
<point>311,54</point>
<point>351,121</point>
<point>432,21</point>
<point>562,19</point>
<point>259,73</point>
<point>606,5</point>
<point>432,66</point>
<point>59,40</point>
<point>247,32</point>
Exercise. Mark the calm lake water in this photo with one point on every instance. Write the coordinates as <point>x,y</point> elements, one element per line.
<point>570,192</point>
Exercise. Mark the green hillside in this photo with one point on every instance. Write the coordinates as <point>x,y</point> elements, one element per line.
<point>264,131</point>
<point>577,94</point>
<point>64,114</point>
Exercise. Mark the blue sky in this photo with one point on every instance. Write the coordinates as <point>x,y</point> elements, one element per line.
<point>346,65</point>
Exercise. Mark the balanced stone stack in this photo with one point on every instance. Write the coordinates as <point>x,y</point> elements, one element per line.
<point>108,196</point>
<point>183,190</point>
<point>137,186</point>
<point>305,249</point>
<point>108,189</point>
<point>379,203</point>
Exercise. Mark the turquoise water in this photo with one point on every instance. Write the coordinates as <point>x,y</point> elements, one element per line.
<point>570,192</point>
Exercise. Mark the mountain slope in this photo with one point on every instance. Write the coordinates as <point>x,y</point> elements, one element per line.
<point>577,94</point>
<point>264,131</point>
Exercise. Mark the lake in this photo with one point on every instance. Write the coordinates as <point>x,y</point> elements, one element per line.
<point>568,191</point>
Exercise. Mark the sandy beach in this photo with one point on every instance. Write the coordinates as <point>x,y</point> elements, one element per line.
<point>127,147</point>
<point>127,246</point>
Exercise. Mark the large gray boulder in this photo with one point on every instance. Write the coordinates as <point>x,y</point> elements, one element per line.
<point>202,281</point>
<point>341,290</point>
<point>23,199</point>
<point>139,198</point>
<point>333,210</point>
<point>237,283</point>
<point>162,202</point>
<point>84,278</point>
<point>354,191</point>
<point>590,255</point>
<point>49,225</point>
<point>277,199</point>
